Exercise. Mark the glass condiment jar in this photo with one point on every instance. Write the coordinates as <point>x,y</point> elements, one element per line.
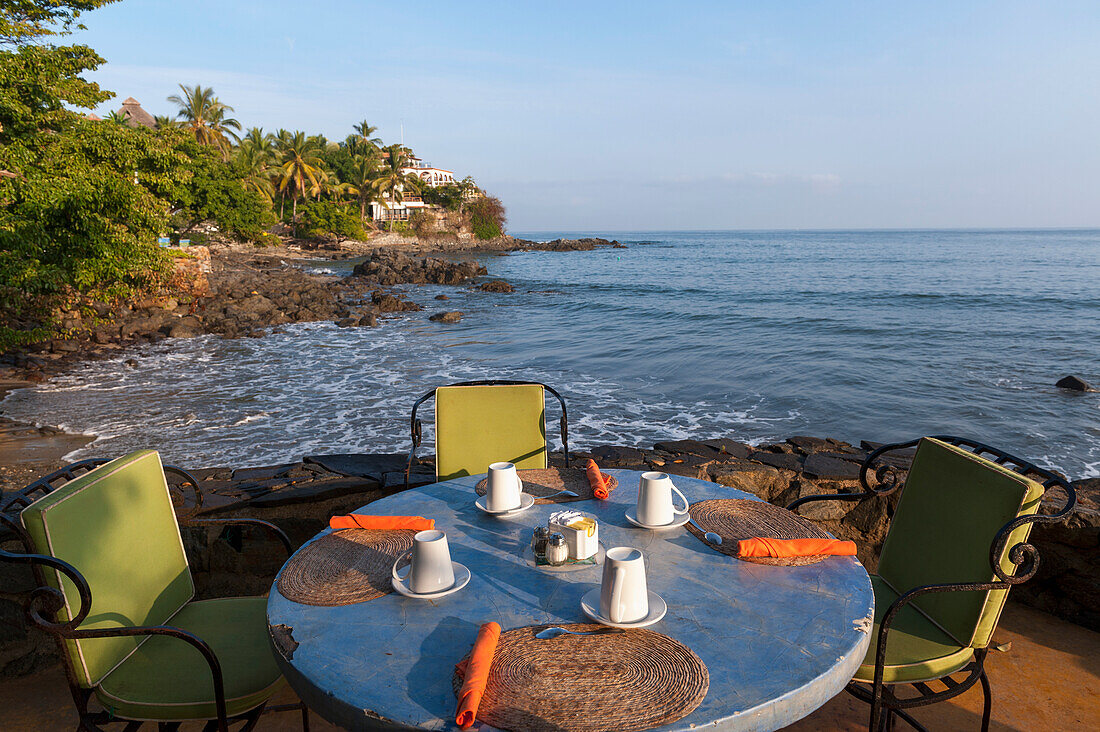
<point>538,539</point>
<point>557,551</point>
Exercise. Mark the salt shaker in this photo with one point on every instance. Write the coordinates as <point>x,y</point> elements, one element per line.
<point>538,539</point>
<point>557,551</point>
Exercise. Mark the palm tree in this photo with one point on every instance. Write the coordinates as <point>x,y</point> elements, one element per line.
<point>117,118</point>
<point>204,115</point>
<point>259,140</point>
<point>392,181</point>
<point>363,132</point>
<point>361,181</point>
<point>302,167</point>
<point>164,122</point>
<point>254,165</point>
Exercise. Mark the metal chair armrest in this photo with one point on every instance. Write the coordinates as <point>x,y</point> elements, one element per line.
<point>172,632</point>
<point>267,525</point>
<point>888,619</point>
<point>45,600</point>
<point>826,497</point>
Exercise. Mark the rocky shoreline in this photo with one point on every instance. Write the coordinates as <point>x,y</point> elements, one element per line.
<point>249,291</point>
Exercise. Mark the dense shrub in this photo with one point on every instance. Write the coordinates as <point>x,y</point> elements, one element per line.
<point>448,196</point>
<point>321,219</point>
<point>422,222</point>
<point>486,217</point>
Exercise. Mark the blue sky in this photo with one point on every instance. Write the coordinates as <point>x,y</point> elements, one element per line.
<point>609,116</point>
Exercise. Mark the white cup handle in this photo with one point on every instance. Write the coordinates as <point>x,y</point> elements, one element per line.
<point>404,554</point>
<point>616,595</point>
<point>519,483</point>
<point>687,506</point>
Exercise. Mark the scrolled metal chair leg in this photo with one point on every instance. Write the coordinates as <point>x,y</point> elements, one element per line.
<point>987,696</point>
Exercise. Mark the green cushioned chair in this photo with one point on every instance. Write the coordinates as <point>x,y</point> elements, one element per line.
<point>116,591</point>
<point>956,544</point>
<point>483,422</point>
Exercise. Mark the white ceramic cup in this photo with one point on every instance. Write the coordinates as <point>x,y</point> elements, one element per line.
<point>624,596</point>
<point>430,568</point>
<point>655,500</point>
<point>502,493</point>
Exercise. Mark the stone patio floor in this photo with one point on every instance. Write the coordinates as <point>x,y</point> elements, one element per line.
<point>1049,680</point>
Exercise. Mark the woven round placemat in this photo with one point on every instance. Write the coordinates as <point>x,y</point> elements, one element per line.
<point>735,519</point>
<point>344,567</point>
<point>616,681</point>
<point>544,481</point>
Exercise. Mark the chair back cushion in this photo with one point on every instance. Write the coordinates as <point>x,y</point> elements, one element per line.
<point>950,510</point>
<point>479,425</point>
<point>116,526</point>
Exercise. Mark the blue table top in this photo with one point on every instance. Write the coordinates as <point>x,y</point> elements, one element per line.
<point>778,641</point>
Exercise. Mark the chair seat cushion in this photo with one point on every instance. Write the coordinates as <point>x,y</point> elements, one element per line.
<point>916,650</point>
<point>167,679</point>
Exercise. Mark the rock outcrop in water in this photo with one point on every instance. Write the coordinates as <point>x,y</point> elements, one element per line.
<point>496,286</point>
<point>1073,383</point>
<point>388,267</point>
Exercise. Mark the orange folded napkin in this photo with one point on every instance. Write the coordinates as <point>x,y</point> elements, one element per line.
<point>766,547</point>
<point>476,674</point>
<point>599,481</point>
<point>359,521</point>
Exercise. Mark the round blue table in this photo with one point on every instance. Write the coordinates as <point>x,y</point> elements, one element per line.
<point>778,641</point>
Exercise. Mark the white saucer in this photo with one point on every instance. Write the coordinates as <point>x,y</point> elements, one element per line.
<point>526,500</point>
<point>462,578</point>
<point>678,521</point>
<point>590,604</point>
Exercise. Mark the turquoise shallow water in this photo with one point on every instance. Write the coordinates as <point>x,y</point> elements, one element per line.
<point>755,335</point>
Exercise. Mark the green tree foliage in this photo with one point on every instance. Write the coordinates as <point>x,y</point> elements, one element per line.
<point>220,193</point>
<point>86,213</point>
<point>80,202</point>
<point>449,196</point>
<point>324,219</point>
<point>26,21</point>
<point>486,217</point>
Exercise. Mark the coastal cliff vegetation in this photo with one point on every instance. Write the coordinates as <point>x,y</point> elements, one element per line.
<point>84,200</point>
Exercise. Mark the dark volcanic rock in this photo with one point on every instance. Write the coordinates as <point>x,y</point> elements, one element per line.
<point>690,447</point>
<point>496,286</point>
<point>822,466</point>
<point>388,267</point>
<point>730,447</point>
<point>567,245</point>
<point>442,297</point>
<point>612,456</point>
<point>808,444</point>
<point>451,316</point>
<point>387,303</point>
<point>1073,383</point>
<point>780,460</point>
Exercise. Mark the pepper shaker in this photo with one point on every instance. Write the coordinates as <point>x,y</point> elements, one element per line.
<point>538,539</point>
<point>557,551</point>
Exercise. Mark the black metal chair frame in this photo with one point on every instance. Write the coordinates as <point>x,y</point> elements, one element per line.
<point>44,602</point>
<point>416,428</point>
<point>885,703</point>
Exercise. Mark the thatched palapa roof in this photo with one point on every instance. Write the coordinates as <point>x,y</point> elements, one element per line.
<point>135,115</point>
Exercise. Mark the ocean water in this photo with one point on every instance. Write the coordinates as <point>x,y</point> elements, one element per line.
<point>877,335</point>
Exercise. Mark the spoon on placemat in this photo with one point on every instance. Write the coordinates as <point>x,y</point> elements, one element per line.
<point>554,632</point>
<point>710,536</point>
<point>565,492</point>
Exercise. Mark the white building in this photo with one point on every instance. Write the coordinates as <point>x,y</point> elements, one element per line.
<point>387,210</point>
